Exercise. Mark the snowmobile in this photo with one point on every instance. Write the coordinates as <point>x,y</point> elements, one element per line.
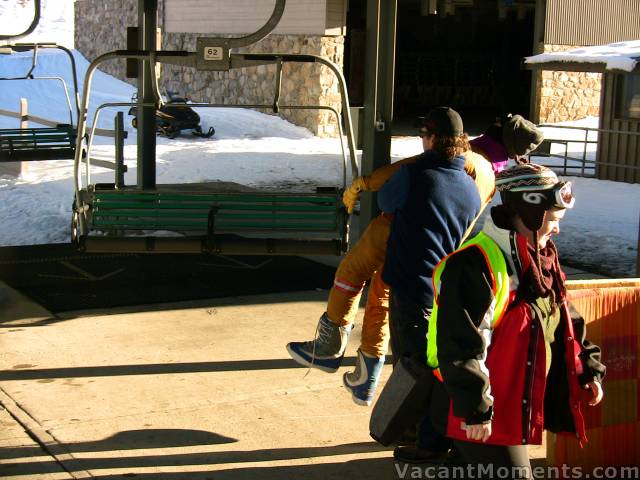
<point>171,120</point>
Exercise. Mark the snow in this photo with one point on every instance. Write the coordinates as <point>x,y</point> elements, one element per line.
<point>616,56</point>
<point>56,21</point>
<point>568,138</point>
<point>263,151</point>
<point>46,97</point>
<point>600,233</point>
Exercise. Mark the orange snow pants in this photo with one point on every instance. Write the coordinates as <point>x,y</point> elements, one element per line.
<point>363,262</point>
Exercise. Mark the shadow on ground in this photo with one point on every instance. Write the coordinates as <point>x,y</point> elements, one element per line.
<point>61,279</point>
<point>25,372</point>
<point>170,438</point>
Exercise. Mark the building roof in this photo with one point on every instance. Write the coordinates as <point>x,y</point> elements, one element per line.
<point>615,57</point>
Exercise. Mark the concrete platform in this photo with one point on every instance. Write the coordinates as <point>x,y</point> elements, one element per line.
<point>200,390</point>
<point>190,391</point>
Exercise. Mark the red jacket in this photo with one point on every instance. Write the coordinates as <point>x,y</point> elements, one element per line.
<point>501,374</point>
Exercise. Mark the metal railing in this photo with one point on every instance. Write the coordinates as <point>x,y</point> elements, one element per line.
<point>586,167</point>
<point>542,152</point>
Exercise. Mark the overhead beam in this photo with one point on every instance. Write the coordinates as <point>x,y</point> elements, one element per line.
<point>593,67</point>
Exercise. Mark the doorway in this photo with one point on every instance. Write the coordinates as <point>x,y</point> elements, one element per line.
<point>463,53</point>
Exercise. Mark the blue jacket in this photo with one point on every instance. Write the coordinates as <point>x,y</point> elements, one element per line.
<point>434,201</point>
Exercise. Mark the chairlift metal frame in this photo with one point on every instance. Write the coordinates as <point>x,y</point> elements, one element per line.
<point>56,142</point>
<point>34,47</point>
<point>88,197</point>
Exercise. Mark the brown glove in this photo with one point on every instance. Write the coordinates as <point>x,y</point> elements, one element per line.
<point>352,193</point>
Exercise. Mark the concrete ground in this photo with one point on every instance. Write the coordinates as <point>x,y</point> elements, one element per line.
<point>186,391</point>
<point>195,390</point>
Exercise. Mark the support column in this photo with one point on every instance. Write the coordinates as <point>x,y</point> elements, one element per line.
<point>147,26</point>
<point>638,251</point>
<point>378,95</point>
<point>536,75</point>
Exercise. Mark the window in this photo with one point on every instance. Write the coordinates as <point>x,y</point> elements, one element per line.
<point>628,96</point>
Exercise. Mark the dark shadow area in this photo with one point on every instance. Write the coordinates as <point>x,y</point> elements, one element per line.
<point>61,279</point>
<point>153,438</point>
<point>32,468</point>
<point>538,463</point>
<point>370,469</point>
<point>315,295</point>
<point>376,468</point>
<point>140,439</point>
<point>132,440</point>
<point>155,369</point>
<point>465,54</point>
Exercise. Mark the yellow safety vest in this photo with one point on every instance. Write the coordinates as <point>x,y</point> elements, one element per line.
<point>499,286</point>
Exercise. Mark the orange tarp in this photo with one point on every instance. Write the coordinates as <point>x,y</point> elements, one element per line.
<point>611,309</point>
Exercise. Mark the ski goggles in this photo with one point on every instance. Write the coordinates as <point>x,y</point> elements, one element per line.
<point>563,195</point>
<point>560,195</point>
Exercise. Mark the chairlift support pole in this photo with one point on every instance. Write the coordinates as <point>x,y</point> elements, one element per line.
<point>146,130</point>
<point>120,135</point>
<point>378,95</point>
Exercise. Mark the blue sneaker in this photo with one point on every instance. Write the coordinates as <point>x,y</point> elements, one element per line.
<point>327,350</point>
<point>364,379</point>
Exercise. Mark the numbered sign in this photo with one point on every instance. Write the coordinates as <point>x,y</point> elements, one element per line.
<point>213,53</point>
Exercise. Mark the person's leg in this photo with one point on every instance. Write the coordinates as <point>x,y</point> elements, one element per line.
<point>360,264</point>
<point>429,439</point>
<point>408,323</point>
<point>497,461</point>
<point>395,336</point>
<point>362,382</point>
<point>344,298</point>
<point>327,349</point>
<point>375,325</point>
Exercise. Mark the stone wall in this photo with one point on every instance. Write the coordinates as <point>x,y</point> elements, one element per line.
<point>568,95</point>
<point>101,27</point>
<point>302,84</point>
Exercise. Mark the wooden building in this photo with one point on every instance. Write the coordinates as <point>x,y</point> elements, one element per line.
<point>220,17</point>
<point>564,25</point>
<point>618,151</point>
<point>620,111</point>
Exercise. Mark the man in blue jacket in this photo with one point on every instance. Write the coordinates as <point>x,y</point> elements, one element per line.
<point>434,203</point>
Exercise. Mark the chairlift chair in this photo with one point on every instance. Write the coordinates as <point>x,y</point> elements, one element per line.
<point>120,218</point>
<point>56,141</point>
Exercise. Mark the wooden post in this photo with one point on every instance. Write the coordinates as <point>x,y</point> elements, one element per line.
<point>120,135</point>
<point>24,113</point>
<point>638,251</point>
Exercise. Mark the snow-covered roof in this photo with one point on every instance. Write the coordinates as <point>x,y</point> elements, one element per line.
<point>619,56</point>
